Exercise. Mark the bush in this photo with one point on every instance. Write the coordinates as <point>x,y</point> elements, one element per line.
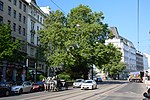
<point>41,77</point>
<point>64,76</point>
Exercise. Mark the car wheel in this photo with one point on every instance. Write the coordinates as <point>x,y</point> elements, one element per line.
<point>40,89</point>
<point>31,90</point>
<point>20,91</point>
<point>7,93</point>
<point>92,87</point>
<point>96,87</point>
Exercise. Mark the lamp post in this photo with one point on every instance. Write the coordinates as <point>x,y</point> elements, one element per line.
<point>92,72</point>
<point>35,73</point>
<point>27,64</point>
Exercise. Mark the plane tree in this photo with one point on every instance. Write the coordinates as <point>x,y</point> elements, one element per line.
<point>75,40</point>
<point>7,46</point>
<point>113,65</point>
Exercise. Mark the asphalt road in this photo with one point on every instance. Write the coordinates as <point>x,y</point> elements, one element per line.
<point>108,90</point>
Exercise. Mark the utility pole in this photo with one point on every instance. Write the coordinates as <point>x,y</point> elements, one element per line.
<point>138,22</point>
<point>35,73</point>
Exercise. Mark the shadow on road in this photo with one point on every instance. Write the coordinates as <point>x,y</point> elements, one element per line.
<point>113,82</point>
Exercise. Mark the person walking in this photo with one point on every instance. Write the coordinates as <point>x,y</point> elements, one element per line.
<point>44,80</point>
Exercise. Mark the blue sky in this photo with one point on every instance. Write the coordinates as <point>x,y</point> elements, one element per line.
<point>119,13</point>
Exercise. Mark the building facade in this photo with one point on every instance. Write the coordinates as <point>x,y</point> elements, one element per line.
<point>35,23</point>
<point>139,61</point>
<point>145,62</point>
<point>128,52</point>
<point>25,18</point>
<point>14,13</point>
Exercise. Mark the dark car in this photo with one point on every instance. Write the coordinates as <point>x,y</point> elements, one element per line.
<point>99,79</point>
<point>38,86</point>
<point>5,89</point>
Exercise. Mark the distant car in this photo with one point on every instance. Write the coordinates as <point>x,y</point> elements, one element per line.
<point>89,84</point>
<point>22,87</point>
<point>78,83</point>
<point>5,89</point>
<point>38,86</point>
<point>99,79</point>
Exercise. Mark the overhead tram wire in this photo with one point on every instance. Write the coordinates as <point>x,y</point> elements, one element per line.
<point>138,22</point>
<point>58,7</point>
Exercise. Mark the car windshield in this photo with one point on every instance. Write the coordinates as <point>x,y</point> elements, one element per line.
<point>79,80</point>
<point>4,84</point>
<point>39,83</point>
<point>88,82</point>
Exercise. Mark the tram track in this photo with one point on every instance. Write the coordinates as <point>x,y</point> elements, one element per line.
<point>71,94</point>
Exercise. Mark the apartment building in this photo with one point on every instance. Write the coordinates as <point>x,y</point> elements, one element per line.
<point>139,61</point>
<point>128,52</point>
<point>25,18</point>
<point>35,23</point>
<point>14,13</point>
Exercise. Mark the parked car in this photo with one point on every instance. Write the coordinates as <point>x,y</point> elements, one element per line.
<point>78,83</point>
<point>38,86</point>
<point>5,89</point>
<point>99,79</point>
<point>89,84</point>
<point>22,87</point>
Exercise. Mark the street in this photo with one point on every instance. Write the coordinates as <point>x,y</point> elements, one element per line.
<point>109,90</point>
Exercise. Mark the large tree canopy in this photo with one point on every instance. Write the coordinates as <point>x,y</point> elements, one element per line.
<point>7,47</point>
<point>76,40</point>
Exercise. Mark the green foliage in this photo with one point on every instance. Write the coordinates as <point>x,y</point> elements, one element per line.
<point>41,77</point>
<point>76,40</point>
<point>7,47</point>
<point>113,65</point>
<point>64,76</point>
<point>115,70</point>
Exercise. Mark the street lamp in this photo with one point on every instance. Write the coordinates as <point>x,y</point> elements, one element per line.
<point>35,73</point>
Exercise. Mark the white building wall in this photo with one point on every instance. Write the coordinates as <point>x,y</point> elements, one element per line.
<point>35,15</point>
<point>46,10</point>
<point>148,60</point>
<point>127,49</point>
<point>145,62</point>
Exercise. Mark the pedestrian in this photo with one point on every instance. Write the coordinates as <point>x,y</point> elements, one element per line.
<point>44,80</point>
<point>48,83</point>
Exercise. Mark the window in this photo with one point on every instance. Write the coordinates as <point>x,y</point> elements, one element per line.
<point>9,10</point>
<point>1,5</point>
<point>41,19</point>
<point>37,40</point>
<point>20,4</point>
<point>31,51</point>
<point>32,38</point>
<point>38,28</point>
<point>32,25</point>
<point>15,2</point>
<point>24,32</point>
<point>9,22</point>
<point>19,17</point>
<point>24,8</point>
<point>14,13</point>
<point>14,26</point>
<point>19,29</point>
<point>38,17</point>
<point>23,47</point>
<point>24,19</point>
<point>1,19</point>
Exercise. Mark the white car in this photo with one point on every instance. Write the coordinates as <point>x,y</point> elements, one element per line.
<point>22,87</point>
<point>78,83</point>
<point>89,84</point>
